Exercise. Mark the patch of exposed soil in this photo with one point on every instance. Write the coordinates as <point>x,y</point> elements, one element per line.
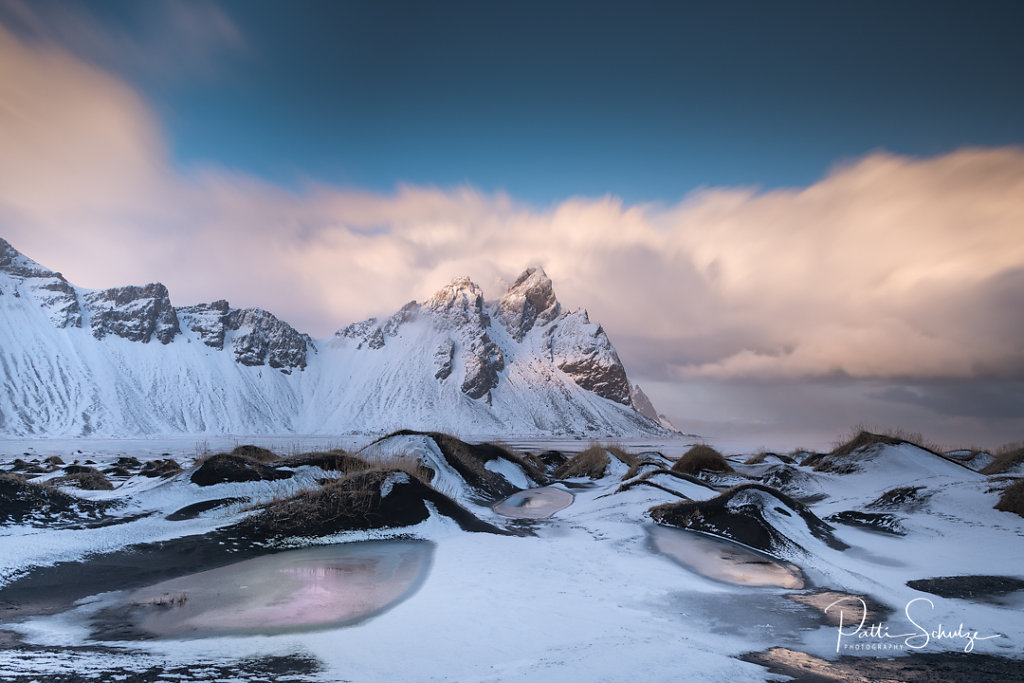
<point>369,500</point>
<point>24,502</point>
<point>161,468</point>
<point>875,521</point>
<point>195,509</point>
<point>226,467</point>
<point>738,514</point>
<point>968,587</point>
<point>949,667</point>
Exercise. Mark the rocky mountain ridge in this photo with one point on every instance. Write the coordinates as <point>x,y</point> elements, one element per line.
<point>518,364</point>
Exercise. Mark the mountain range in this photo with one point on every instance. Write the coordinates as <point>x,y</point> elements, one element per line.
<point>126,362</point>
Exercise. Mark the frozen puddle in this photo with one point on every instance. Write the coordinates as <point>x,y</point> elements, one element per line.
<point>724,560</point>
<point>294,590</point>
<point>535,503</point>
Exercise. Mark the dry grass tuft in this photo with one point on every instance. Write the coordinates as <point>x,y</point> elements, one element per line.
<point>1012,499</point>
<point>861,439</point>
<point>589,463</point>
<point>621,454</point>
<point>1006,458</point>
<point>756,458</point>
<point>411,466</point>
<point>701,458</point>
<point>330,461</point>
<point>864,439</point>
<point>87,480</point>
<point>256,453</point>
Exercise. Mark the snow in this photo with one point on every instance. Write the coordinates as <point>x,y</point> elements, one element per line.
<point>586,596</point>
<point>512,473</point>
<point>60,380</point>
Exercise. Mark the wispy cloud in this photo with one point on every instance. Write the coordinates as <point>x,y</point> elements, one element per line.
<point>887,267</point>
<point>162,38</point>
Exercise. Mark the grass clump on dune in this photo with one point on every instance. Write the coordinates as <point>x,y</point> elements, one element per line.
<point>701,458</point>
<point>594,461</point>
<point>1012,499</point>
<point>85,478</point>
<point>1006,458</point>
<point>329,461</point>
<point>257,453</point>
<point>591,462</point>
<point>374,499</point>
<point>862,440</point>
<point>761,456</point>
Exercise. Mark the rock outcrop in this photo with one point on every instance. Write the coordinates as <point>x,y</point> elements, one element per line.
<point>49,289</point>
<point>256,336</point>
<point>137,314</point>
<point>529,301</point>
<point>582,350</point>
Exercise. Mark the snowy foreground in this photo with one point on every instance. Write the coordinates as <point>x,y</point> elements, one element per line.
<point>582,595</point>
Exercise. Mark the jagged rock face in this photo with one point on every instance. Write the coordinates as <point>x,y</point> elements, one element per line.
<point>407,313</point>
<point>133,313</point>
<point>642,404</point>
<point>459,306</point>
<point>583,351</point>
<point>373,334</point>
<point>50,289</point>
<point>483,361</point>
<point>444,356</point>
<point>208,321</point>
<point>260,338</point>
<point>578,347</point>
<point>459,302</point>
<point>363,332</point>
<point>530,300</point>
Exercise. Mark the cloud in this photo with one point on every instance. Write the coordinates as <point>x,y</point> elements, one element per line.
<point>889,267</point>
<point>159,38</point>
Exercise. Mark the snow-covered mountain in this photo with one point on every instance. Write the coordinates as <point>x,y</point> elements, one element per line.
<point>124,361</point>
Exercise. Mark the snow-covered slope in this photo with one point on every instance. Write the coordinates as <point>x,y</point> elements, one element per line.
<point>124,361</point>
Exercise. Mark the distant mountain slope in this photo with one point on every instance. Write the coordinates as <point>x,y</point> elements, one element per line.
<point>124,361</point>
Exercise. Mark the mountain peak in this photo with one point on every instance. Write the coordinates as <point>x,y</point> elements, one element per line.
<point>461,299</point>
<point>530,299</point>
<point>14,262</point>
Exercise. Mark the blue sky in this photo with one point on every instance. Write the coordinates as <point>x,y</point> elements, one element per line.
<point>643,101</point>
<point>791,218</point>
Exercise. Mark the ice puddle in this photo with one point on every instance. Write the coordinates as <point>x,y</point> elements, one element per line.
<point>724,560</point>
<point>295,590</point>
<point>537,503</point>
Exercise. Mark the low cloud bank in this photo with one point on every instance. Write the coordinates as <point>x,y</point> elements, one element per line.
<point>889,267</point>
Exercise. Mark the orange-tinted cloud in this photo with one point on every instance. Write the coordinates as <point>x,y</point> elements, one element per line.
<point>887,267</point>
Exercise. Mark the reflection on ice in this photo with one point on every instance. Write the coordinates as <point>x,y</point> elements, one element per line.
<point>294,590</point>
<point>724,560</point>
<point>535,503</point>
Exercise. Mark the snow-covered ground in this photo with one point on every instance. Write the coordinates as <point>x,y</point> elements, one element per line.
<point>585,596</point>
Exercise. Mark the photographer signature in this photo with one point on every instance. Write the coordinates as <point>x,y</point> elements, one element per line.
<point>915,640</point>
